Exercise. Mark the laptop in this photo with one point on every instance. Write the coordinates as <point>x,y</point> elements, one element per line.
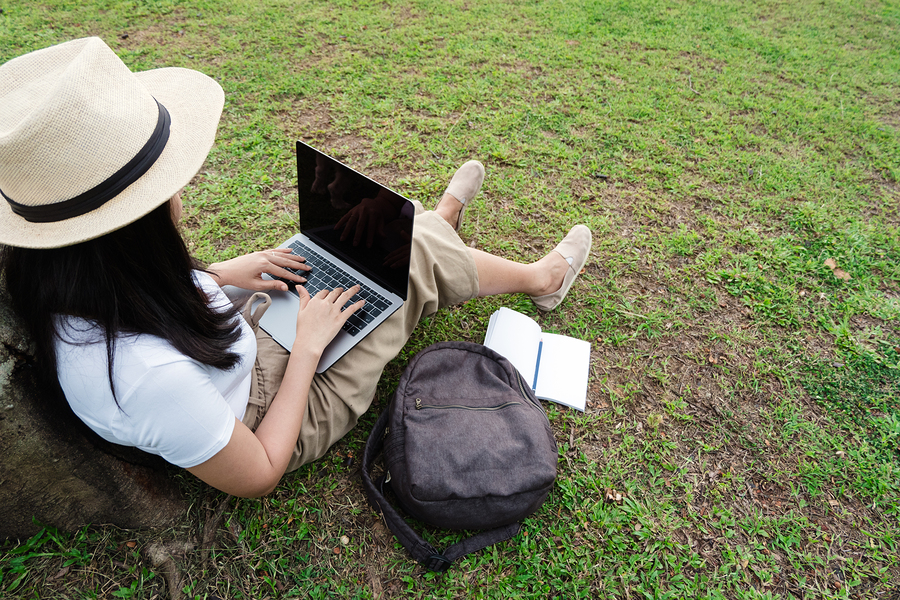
<point>353,230</point>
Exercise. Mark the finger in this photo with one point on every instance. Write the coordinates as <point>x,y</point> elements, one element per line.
<point>348,294</point>
<point>304,296</point>
<point>298,263</point>
<point>334,294</point>
<point>286,257</point>
<point>273,284</point>
<point>323,293</point>
<point>287,274</point>
<point>273,255</point>
<point>351,291</point>
<point>294,266</point>
<point>349,310</point>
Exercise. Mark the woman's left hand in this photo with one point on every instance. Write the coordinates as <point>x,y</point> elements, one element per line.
<point>246,271</point>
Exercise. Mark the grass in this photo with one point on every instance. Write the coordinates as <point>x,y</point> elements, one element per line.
<point>743,397</point>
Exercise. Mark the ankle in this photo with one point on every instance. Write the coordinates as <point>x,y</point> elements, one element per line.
<point>449,208</point>
<point>541,280</point>
<point>549,274</point>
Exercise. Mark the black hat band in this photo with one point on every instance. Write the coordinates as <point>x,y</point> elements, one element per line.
<point>108,189</point>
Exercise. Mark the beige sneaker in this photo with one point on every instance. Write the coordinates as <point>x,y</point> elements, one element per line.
<point>465,185</point>
<point>575,248</point>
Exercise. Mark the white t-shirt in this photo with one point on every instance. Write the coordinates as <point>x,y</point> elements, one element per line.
<point>169,404</point>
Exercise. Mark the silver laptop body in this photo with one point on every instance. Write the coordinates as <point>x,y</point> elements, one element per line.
<point>376,257</point>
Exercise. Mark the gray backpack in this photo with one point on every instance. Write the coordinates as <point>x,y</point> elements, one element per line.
<point>466,446</point>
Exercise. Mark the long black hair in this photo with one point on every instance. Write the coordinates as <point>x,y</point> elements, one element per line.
<point>136,279</point>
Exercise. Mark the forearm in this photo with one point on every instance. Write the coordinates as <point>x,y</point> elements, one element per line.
<point>252,463</point>
<point>280,427</point>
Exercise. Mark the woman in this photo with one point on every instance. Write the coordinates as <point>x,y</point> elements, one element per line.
<point>147,348</point>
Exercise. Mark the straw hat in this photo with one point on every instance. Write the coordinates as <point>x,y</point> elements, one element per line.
<point>87,146</point>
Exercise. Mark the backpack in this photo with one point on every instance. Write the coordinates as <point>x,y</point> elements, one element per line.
<point>466,445</point>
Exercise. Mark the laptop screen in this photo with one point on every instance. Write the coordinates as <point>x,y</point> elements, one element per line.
<point>357,219</point>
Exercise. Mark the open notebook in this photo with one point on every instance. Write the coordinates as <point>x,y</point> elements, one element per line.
<point>555,365</point>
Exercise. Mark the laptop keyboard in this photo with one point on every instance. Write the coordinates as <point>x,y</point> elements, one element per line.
<point>325,275</point>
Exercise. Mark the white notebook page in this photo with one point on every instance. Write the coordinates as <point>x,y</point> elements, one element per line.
<point>563,372</point>
<point>516,337</point>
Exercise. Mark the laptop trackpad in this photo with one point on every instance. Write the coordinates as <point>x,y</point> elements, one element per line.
<point>280,321</point>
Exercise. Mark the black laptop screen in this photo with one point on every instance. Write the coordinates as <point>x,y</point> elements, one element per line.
<point>361,221</point>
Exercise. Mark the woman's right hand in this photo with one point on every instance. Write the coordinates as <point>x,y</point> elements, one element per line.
<point>252,463</point>
<point>320,317</point>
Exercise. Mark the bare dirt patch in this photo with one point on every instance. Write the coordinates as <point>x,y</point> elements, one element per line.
<point>170,31</point>
<point>312,123</point>
<point>700,61</point>
<point>891,118</point>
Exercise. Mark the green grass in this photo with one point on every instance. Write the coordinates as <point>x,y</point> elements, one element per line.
<point>743,399</point>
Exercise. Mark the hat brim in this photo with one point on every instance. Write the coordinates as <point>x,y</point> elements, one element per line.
<point>194,102</point>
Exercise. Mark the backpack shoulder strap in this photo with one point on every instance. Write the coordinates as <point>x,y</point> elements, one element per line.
<point>421,551</point>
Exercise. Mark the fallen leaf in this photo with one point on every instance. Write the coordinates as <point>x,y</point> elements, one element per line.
<point>131,544</point>
<point>337,550</point>
<point>62,572</point>
<point>612,495</point>
<point>841,274</point>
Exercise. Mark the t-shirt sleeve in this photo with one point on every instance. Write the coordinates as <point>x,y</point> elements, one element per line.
<point>174,410</point>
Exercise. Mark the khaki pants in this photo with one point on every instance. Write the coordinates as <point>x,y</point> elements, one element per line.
<point>442,273</point>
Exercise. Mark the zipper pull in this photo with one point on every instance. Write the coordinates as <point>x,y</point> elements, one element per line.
<point>418,403</point>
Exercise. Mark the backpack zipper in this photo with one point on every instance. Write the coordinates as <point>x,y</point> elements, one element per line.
<point>420,406</point>
<point>521,389</point>
<point>525,395</point>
